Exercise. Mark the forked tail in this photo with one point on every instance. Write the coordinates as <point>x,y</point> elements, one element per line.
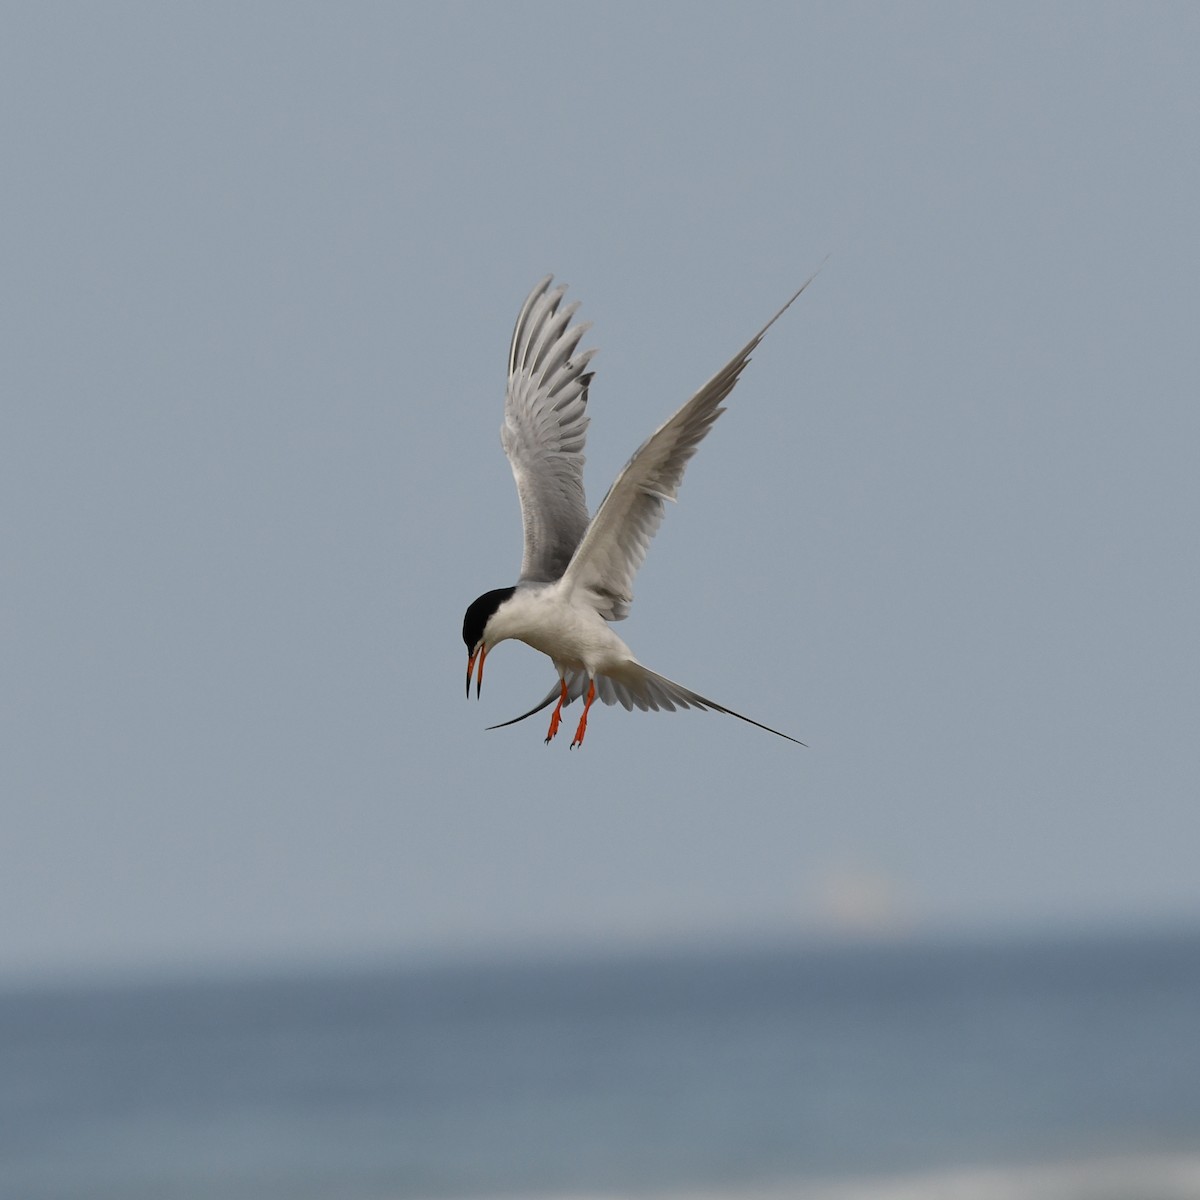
<point>639,687</point>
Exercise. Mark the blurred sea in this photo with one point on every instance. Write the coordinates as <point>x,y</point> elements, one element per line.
<point>1040,1070</point>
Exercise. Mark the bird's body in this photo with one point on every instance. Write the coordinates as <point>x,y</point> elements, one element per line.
<point>575,636</point>
<point>577,574</point>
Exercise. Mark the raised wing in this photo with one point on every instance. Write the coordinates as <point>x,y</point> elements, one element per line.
<point>639,687</point>
<point>545,421</point>
<point>615,544</point>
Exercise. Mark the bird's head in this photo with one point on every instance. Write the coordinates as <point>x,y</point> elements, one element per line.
<point>475,631</point>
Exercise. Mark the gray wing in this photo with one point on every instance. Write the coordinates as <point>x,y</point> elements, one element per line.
<point>545,421</point>
<point>639,687</point>
<point>616,541</point>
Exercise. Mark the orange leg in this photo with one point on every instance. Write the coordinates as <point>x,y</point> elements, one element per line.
<point>556,716</point>
<point>591,695</point>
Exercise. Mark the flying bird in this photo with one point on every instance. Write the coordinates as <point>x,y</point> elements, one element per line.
<point>577,574</point>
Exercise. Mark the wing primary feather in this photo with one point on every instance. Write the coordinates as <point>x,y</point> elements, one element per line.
<point>549,335</point>
<point>522,317</point>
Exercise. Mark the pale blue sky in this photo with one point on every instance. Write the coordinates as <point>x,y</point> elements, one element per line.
<point>258,269</point>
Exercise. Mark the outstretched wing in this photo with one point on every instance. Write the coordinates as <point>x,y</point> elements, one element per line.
<point>616,541</point>
<point>545,421</point>
<point>639,687</point>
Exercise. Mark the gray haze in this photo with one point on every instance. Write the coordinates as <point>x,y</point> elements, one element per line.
<point>258,269</point>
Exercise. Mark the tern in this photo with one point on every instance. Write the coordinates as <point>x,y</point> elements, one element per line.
<point>577,574</point>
